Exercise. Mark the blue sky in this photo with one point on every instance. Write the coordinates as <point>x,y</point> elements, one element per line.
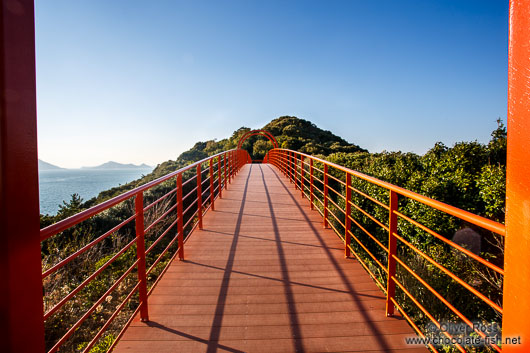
<point>142,81</point>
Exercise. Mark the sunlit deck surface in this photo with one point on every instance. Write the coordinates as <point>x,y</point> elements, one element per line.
<point>264,276</point>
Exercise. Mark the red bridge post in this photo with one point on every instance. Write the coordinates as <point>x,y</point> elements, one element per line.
<point>516,304</point>
<point>20,252</point>
<point>140,254</point>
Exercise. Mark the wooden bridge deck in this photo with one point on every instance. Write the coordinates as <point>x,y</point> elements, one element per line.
<point>264,276</point>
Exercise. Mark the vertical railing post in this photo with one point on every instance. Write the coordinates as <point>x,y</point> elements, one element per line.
<point>230,166</point>
<point>295,165</point>
<point>283,160</point>
<point>224,167</point>
<point>311,185</point>
<point>234,156</point>
<point>219,177</point>
<point>180,221</point>
<point>199,194</point>
<point>211,185</point>
<point>325,195</point>
<point>302,176</point>
<point>140,255</point>
<point>392,248</point>
<point>347,220</point>
<point>289,160</point>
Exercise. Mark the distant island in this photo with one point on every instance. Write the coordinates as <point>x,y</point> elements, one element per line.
<point>118,166</point>
<point>47,166</point>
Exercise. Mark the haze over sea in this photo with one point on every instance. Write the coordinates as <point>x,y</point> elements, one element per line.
<point>56,186</point>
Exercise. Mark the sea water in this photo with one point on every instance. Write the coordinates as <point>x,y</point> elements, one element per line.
<point>56,186</point>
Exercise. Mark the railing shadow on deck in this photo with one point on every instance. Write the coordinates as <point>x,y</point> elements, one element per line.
<point>223,291</point>
<point>351,291</point>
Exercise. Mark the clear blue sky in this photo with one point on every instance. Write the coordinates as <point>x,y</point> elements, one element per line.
<point>142,81</point>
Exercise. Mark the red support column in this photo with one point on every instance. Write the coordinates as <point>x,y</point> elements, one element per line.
<point>140,254</point>
<point>20,255</point>
<point>516,303</point>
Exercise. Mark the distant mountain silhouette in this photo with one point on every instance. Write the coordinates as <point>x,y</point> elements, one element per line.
<point>47,166</point>
<point>117,166</point>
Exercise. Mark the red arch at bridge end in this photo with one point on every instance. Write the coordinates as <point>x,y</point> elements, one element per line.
<point>258,132</point>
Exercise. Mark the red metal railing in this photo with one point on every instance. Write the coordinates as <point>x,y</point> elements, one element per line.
<point>186,209</point>
<point>330,189</point>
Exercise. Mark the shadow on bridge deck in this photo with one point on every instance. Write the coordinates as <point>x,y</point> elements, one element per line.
<point>264,276</point>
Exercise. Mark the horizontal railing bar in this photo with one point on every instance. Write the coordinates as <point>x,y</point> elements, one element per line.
<point>337,193</point>
<point>91,310</point>
<point>337,179</point>
<point>205,191</point>
<point>336,206</point>
<point>161,236</point>
<point>452,275</point>
<point>379,284</point>
<point>154,223</point>
<point>414,326</point>
<point>369,198</point>
<point>191,219</point>
<point>336,218</point>
<point>163,270</point>
<point>189,180</point>
<point>441,298</point>
<point>159,258</point>
<point>452,244</point>
<point>190,206</point>
<point>124,328</point>
<point>60,226</point>
<point>111,318</point>
<point>152,204</point>
<point>369,216</point>
<point>86,281</point>
<point>192,192</point>
<point>368,251</point>
<point>85,248</point>
<point>368,233</point>
<point>429,315</point>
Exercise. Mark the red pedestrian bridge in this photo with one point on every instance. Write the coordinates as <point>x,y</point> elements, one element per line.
<point>294,254</point>
<point>263,257</point>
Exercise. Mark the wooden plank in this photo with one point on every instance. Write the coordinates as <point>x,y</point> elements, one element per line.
<point>264,276</point>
